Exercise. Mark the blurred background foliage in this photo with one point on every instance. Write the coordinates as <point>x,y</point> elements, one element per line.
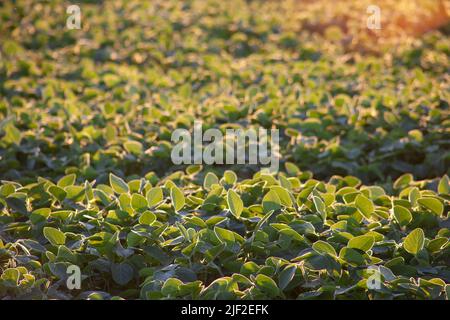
<point>348,100</point>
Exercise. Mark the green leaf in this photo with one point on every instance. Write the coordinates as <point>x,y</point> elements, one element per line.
<point>59,193</point>
<point>235,203</point>
<point>119,186</point>
<point>364,243</point>
<point>320,207</point>
<point>11,277</point>
<point>7,189</point>
<point>444,185</point>
<point>415,241</point>
<point>229,177</point>
<point>285,183</point>
<point>267,285</point>
<point>177,197</point>
<point>17,204</point>
<point>171,287</point>
<point>133,147</point>
<point>147,218</point>
<point>225,235</point>
<point>351,256</point>
<point>413,196</point>
<point>324,247</point>
<point>284,195</point>
<point>403,181</point>
<point>40,215</point>
<point>436,244</point>
<point>271,201</point>
<point>138,202</point>
<point>67,180</point>
<point>54,236</point>
<point>402,215</point>
<point>122,273</point>
<point>364,205</point>
<point>75,193</point>
<point>416,135</point>
<point>154,196</point>
<point>432,204</point>
<point>292,234</point>
<point>210,180</point>
<point>12,134</point>
<point>262,222</point>
<point>194,169</point>
<point>292,169</point>
<point>286,276</point>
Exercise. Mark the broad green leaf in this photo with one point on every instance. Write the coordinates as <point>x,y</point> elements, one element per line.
<point>292,234</point>
<point>375,192</point>
<point>154,196</point>
<point>283,194</point>
<point>271,201</point>
<point>415,241</point>
<point>351,256</point>
<point>177,197</point>
<point>225,235</point>
<point>11,277</point>
<point>241,279</point>
<point>432,204</point>
<point>402,215</point>
<point>59,193</point>
<point>210,180</point>
<point>261,222</point>
<point>364,206</point>
<point>267,285</point>
<point>444,185</point>
<point>17,204</point>
<point>286,276</point>
<point>12,134</point>
<point>138,202</point>
<point>235,203</point>
<point>319,262</point>
<point>414,195</point>
<point>67,180</point>
<point>292,169</point>
<point>147,218</point>
<point>436,244</point>
<point>403,181</point>
<point>171,287</point>
<point>54,236</point>
<point>194,169</point>
<point>285,183</point>
<point>89,192</point>
<point>324,247</point>
<point>40,215</point>
<point>363,243</point>
<point>7,189</point>
<point>134,147</point>
<point>320,207</point>
<point>416,135</point>
<point>125,201</point>
<point>75,193</point>
<point>119,186</point>
<point>122,273</point>
<point>229,177</point>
